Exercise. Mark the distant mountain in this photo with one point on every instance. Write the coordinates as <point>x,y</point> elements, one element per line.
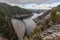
<point>37,10</point>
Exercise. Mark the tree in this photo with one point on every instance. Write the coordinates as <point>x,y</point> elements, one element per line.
<point>53,15</point>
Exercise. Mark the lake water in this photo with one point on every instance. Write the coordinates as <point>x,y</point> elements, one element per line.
<point>30,24</point>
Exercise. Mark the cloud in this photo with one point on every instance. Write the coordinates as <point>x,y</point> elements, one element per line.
<point>27,1</point>
<point>40,6</point>
<point>33,4</point>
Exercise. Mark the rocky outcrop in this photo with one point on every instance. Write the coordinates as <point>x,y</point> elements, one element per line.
<point>54,36</point>
<point>42,16</point>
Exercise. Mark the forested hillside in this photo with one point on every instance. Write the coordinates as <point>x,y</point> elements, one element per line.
<point>6,11</point>
<point>9,10</point>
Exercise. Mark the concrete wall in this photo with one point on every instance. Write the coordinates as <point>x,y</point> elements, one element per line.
<point>19,27</point>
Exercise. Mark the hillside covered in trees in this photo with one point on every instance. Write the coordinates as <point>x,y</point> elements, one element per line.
<point>48,27</point>
<point>7,11</point>
<point>12,10</point>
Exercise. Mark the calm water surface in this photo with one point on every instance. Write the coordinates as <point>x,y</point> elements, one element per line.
<point>30,24</point>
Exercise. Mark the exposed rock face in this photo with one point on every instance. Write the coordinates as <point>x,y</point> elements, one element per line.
<point>42,16</point>
<point>55,33</point>
<point>54,36</point>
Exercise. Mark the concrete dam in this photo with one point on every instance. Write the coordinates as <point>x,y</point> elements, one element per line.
<point>19,27</point>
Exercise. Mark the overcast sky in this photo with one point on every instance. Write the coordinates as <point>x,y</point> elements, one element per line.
<point>28,1</point>
<point>33,3</point>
